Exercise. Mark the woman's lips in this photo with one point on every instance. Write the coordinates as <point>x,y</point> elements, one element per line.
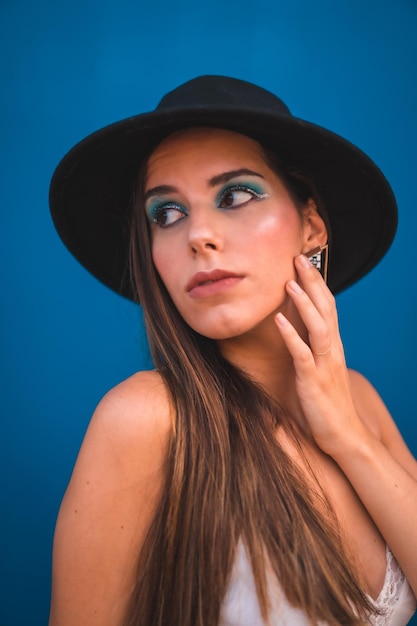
<point>204,284</point>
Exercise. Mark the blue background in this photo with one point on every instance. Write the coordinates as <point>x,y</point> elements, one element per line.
<point>67,68</point>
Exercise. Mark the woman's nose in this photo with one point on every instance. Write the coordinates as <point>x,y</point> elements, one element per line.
<point>204,231</point>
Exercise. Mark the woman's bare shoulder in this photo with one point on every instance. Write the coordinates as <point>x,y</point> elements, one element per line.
<point>109,503</point>
<point>133,420</point>
<point>375,414</point>
<point>138,406</point>
<point>140,396</point>
<point>126,441</point>
<point>367,401</point>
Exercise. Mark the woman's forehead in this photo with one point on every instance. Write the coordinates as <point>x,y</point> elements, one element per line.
<point>202,145</point>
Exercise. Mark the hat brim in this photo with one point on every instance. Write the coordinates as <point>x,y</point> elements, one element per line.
<point>91,188</point>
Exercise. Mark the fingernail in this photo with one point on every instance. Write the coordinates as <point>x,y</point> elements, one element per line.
<point>304,262</point>
<point>295,286</point>
<point>281,319</point>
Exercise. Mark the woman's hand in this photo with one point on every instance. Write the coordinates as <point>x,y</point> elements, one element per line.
<point>322,380</point>
<point>358,433</point>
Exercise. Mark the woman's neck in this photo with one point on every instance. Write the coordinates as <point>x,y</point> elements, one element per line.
<point>264,357</point>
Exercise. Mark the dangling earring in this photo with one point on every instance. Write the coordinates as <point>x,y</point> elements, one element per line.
<point>319,257</point>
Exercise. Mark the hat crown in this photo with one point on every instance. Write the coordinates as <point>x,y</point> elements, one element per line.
<point>222,92</point>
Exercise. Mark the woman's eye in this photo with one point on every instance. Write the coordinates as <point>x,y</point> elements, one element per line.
<point>167,215</point>
<point>235,196</point>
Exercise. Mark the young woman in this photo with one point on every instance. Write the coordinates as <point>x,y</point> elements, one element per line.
<point>251,478</point>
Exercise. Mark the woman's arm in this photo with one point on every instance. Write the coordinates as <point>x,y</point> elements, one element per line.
<point>383,473</point>
<point>349,421</point>
<point>109,504</point>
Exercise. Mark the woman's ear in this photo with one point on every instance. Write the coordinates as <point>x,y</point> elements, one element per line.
<point>314,228</point>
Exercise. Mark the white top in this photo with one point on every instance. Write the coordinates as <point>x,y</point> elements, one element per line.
<point>241,608</point>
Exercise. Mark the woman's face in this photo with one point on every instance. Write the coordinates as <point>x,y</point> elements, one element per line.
<point>224,230</point>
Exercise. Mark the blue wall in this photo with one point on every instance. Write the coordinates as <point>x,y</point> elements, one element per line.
<point>68,68</point>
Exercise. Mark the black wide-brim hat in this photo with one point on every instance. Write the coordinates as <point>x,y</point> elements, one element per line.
<point>91,189</point>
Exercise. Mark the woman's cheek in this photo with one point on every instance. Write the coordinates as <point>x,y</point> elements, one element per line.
<point>168,266</point>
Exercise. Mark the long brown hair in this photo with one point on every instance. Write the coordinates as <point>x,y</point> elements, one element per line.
<point>227,478</point>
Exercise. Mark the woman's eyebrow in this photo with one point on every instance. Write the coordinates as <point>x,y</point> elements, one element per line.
<point>160,190</point>
<point>226,176</point>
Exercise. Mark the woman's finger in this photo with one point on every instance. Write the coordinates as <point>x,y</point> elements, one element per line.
<point>301,353</point>
<point>318,328</point>
<point>313,284</point>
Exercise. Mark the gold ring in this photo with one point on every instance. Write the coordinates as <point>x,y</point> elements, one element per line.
<point>322,353</point>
